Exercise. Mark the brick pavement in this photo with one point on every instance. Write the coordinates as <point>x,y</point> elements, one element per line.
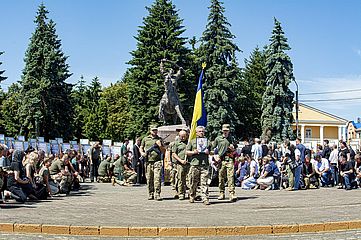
<point>105,205</point>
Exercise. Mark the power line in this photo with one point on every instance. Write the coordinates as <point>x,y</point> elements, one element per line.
<point>330,100</point>
<point>330,92</point>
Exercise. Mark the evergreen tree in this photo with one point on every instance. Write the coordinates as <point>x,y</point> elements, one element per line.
<point>278,98</point>
<point>45,107</point>
<point>158,38</point>
<point>2,98</point>
<point>2,78</point>
<point>222,83</point>
<point>254,75</point>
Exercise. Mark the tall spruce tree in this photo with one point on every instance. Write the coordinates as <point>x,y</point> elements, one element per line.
<point>278,98</point>
<point>254,77</point>
<point>45,104</point>
<point>2,98</point>
<point>2,78</point>
<point>222,82</point>
<point>159,37</point>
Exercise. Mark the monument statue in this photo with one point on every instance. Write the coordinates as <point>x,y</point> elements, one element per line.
<point>169,107</point>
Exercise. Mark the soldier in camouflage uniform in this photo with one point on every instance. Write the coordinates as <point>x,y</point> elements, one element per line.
<point>151,150</point>
<point>179,154</point>
<point>224,149</point>
<point>199,165</point>
<point>173,163</point>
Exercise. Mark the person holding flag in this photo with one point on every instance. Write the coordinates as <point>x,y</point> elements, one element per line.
<point>198,148</point>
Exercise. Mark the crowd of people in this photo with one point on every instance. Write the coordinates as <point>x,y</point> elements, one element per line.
<point>195,165</point>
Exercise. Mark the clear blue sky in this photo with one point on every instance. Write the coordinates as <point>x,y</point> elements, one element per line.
<point>325,37</point>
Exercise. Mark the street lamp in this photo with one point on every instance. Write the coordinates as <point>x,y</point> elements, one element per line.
<point>297,129</point>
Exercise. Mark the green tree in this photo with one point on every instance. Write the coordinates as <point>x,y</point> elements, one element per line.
<point>278,98</point>
<point>9,110</point>
<point>45,107</point>
<point>79,103</point>
<point>158,38</point>
<point>254,78</point>
<point>222,74</point>
<point>93,126</point>
<point>115,102</point>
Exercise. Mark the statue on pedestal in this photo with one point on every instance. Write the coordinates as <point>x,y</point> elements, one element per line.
<point>169,107</point>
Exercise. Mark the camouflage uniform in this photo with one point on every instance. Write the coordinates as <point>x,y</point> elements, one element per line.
<point>179,148</point>
<point>129,175</point>
<point>64,180</point>
<point>226,170</point>
<point>103,171</point>
<point>153,165</point>
<point>174,171</point>
<point>198,172</point>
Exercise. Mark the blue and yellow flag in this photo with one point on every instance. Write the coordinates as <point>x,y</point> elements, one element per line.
<point>199,111</point>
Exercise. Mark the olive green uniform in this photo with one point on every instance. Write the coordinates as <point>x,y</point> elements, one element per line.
<point>198,171</point>
<point>64,180</point>
<point>179,148</point>
<point>173,172</point>
<point>226,171</point>
<point>129,175</point>
<point>103,171</point>
<point>153,165</point>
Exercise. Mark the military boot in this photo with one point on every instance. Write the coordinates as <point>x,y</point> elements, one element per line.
<point>221,196</point>
<point>158,197</point>
<point>151,197</point>
<point>181,197</point>
<point>232,197</point>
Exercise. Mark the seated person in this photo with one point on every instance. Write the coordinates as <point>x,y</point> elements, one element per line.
<point>346,172</point>
<point>266,178</point>
<point>251,181</point>
<point>308,174</point>
<point>45,179</point>
<point>104,174</point>
<point>61,172</point>
<point>117,169</point>
<point>242,171</point>
<point>130,176</point>
<point>322,169</point>
<point>17,183</point>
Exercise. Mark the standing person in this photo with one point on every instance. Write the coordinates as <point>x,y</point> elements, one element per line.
<point>225,147</point>
<point>174,168</point>
<point>179,154</point>
<point>326,152</point>
<point>257,150</point>
<point>137,164</point>
<point>95,157</point>
<point>247,149</point>
<point>333,158</point>
<point>124,147</point>
<point>150,149</point>
<point>198,172</point>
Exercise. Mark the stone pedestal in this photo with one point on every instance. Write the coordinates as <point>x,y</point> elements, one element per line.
<point>168,133</point>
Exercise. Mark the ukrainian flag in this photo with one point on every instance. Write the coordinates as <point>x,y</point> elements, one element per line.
<point>199,111</point>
